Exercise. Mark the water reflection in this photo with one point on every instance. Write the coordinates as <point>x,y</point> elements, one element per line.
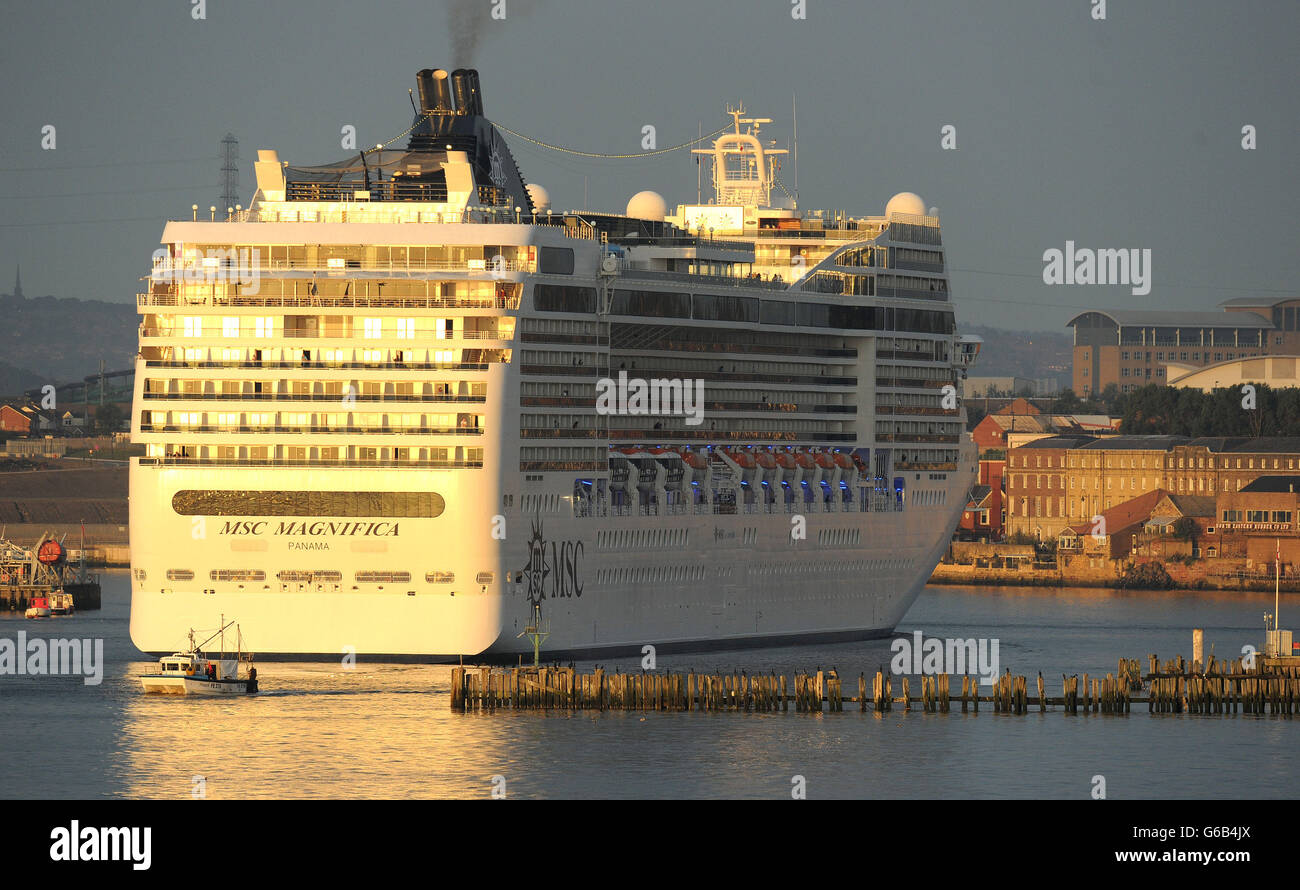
<point>386,731</point>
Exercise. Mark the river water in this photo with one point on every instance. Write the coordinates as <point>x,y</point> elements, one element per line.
<point>386,731</point>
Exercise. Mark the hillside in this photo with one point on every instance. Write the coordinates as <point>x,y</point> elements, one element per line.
<point>14,380</point>
<point>1031,354</point>
<point>62,340</point>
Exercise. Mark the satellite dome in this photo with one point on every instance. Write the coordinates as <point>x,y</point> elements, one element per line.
<point>908,203</point>
<point>647,205</point>
<point>540,196</point>
<point>934,211</point>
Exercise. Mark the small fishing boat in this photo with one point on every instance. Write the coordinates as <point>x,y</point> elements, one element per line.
<point>193,672</point>
<point>38,607</point>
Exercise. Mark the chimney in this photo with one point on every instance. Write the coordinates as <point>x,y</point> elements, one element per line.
<point>435,92</point>
<point>424,83</point>
<point>465,86</point>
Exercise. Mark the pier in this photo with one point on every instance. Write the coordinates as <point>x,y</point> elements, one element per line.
<point>1172,687</point>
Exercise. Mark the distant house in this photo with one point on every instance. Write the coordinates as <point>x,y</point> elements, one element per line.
<point>15,421</point>
<point>28,420</point>
<point>1019,405</point>
<point>1112,533</point>
<point>991,432</point>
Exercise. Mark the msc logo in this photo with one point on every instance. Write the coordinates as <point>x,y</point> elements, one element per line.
<point>247,527</point>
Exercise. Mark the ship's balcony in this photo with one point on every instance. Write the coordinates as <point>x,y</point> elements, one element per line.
<point>197,271</point>
<point>389,339</point>
<point>309,430</point>
<point>910,438</point>
<point>326,302</point>
<point>257,463</point>
<point>330,398</point>
<point>712,435</point>
<point>405,212</point>
<point>307,365</point>
<point>701,280</point>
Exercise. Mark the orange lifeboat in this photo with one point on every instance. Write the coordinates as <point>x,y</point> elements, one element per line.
<point>743,458</point>
<point>766,461</point>
<point>843,461</point>
<point>825,461</point>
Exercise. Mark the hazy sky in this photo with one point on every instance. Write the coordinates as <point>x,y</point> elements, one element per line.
<point>1122,133</point>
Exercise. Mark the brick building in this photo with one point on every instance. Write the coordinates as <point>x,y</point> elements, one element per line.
<point>15,421</point>
<point>1059,481</point>
<point>1259,520</point>
<point>985,515</point>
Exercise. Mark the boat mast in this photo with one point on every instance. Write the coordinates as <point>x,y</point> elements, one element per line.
<point>1277,588</point>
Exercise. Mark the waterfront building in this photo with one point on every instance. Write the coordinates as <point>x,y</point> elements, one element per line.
<point>1057,481</point>
<point>1133,348</point>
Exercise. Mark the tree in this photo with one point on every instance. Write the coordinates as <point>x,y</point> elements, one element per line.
<point>1184,528</point>
<point>109,418</point>
<point>1067,403</point>
<point>1112,399</point>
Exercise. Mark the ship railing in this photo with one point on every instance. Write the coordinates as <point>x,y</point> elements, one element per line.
<point>490,210</point>
<point>193,268</point>
<point>360,398</point>
<point>289,462</point>
<point>707,280</point>
<point>308,429</point>
<point>323,366</point>
<point>323,335</point>
<point>322,302</point>
<point>822,234</point>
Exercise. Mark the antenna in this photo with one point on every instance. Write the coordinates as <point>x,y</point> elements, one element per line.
<point>699,170</point>
<point>229,171</point>
<point>794,111</point>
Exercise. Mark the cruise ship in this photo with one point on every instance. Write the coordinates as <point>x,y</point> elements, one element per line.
<point>400,407</point>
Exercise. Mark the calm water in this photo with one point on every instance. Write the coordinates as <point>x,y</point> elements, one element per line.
<point>386,730</point>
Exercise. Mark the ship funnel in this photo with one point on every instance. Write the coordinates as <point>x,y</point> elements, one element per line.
<point>465,86</point>
<point>435,91</point>
<point>424,83</point>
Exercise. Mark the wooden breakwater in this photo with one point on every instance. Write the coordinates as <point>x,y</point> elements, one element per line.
<point>1172,687</point>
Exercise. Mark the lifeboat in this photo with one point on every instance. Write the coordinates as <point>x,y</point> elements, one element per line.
<point>743,459</point>
<point>693,460</point>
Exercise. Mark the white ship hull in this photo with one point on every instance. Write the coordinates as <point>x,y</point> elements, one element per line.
<point>167,685</point>
<point>380,418</point>
<point>682,581</point>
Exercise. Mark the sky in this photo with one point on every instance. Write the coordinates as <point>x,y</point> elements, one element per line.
<point>1124,132</point>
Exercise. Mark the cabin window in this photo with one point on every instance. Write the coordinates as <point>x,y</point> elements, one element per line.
<point>555,261</point>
